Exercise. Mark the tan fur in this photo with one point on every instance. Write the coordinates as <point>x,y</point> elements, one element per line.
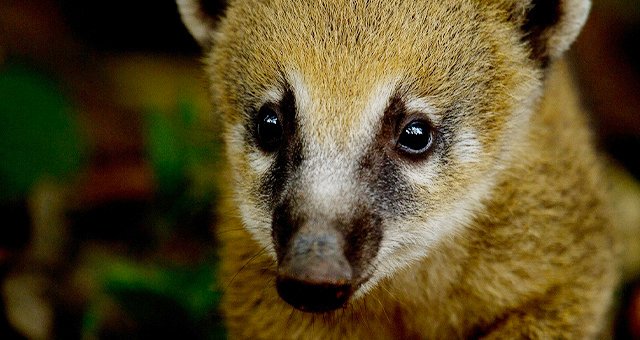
<point>523,248</point>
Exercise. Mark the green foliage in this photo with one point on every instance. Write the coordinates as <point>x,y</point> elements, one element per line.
<point>181,152</point>
<point>173,301</point>
<point>161,300</point>
<point>38,136</point>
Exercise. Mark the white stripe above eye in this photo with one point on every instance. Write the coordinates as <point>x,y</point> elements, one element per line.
<point>424,106</point>
<point>374,111</point>
<point>300,93</point>
<point>273,95</point>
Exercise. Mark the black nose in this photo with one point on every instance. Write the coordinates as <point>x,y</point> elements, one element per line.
<point>314,275</point>
<point>313,297</point>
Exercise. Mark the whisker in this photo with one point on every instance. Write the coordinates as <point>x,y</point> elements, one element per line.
<point>229,230</point>
<point>241,268</point>
<point>267,285</point>
<point>290,316</point>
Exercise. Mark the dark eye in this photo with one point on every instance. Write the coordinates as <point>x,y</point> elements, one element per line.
<point>269,129</point>
<point>415,137</point>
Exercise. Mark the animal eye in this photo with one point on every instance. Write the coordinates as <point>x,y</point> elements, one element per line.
<point>415,137</point>
<point>269,129</point>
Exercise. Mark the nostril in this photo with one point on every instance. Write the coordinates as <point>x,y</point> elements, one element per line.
<point>314,274</point>
<point>313,297</point>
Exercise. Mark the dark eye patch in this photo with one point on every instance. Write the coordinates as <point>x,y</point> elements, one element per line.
<point>408,133</point>
<point>269,129</point>
<point>273,130</point>
<point>273,123</point>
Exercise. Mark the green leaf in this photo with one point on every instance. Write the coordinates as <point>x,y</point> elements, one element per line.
<point>38,135</point>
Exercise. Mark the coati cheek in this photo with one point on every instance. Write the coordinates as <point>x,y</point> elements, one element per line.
<point>321,262</point>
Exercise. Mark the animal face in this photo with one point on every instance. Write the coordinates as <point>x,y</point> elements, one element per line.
<point>362,134</point>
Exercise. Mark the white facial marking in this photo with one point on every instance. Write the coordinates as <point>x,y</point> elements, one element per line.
<point>328,184</point>
<point>300,93</point>
<point>423,175</point>
<point>328,187</point>
<point>272,96</point>
<point>374,112</point>
<point>424,106</point>
<point>467,148</point>
<point>411,240</point>
<point>260,162</point>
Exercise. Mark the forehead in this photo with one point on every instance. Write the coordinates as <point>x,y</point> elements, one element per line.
<point>341,54</point>
<point>336,45</point>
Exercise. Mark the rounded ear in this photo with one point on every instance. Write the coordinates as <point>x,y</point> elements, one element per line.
<point>550,26</point>
<point>200,17</point>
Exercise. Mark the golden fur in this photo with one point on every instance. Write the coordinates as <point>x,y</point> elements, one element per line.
<point>513,238</point>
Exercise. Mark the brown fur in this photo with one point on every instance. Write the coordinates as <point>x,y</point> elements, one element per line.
<point>534,260</point>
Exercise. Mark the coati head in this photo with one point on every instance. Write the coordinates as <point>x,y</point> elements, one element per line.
<point>361,134</point>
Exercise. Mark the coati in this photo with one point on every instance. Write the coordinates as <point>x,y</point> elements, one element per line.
<point>405,169</point>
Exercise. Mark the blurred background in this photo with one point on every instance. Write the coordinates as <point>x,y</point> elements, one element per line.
<point>109,156</point>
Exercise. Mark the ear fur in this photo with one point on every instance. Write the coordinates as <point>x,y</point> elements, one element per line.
<point>550,26</point>
<point>200,17</point>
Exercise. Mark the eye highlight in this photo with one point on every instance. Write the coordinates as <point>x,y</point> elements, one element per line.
<point>269,132</point>
<point>415,138</point>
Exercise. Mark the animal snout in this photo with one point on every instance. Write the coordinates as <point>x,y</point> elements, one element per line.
<point>314,275</point>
